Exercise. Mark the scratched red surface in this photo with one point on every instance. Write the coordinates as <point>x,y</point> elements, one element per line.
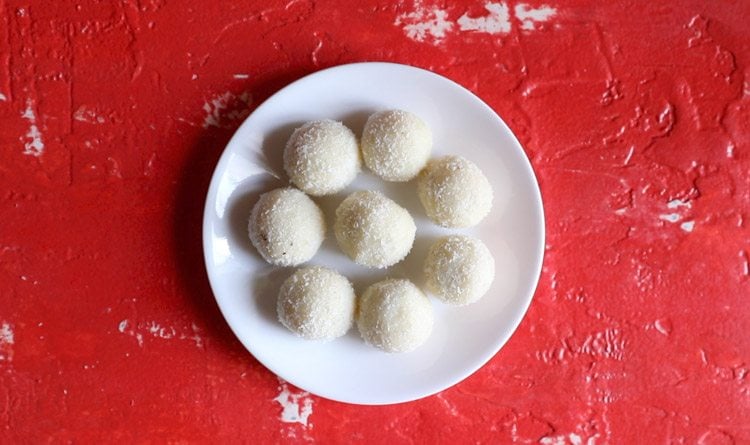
<point>635,115</point>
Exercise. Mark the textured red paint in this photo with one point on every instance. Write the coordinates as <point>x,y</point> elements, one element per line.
<point>638,330</point>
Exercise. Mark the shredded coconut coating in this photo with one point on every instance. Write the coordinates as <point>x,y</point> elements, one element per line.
<point>395,316</point>
<point>454,192</point>
<point>286,227</point>
<point>316,303</point>
<point>459,269</point>
<point>373,230</point>
<point>396,145</point>
<point>322,157</point>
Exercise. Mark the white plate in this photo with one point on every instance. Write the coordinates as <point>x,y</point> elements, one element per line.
<point>463,338</point>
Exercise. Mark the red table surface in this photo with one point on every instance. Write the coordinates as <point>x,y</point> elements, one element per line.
<point>636,118</point>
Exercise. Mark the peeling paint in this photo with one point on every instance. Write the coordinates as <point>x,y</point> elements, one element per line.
<point>7,340</point>
<point>568,439</point>
<point>6,334</point>
<point>226,109</point>
<point>296,406</point>
<point>498,20</point>
<point>123,328</point>
<point>432,24</point>
<point>84,114</point>
<point>677,203</point>
<point>156,330</point>
<point>33,146</point>
<point>425,23</point>
<point>688,226</point>
<point>671,217</point>
<point>530,16</point>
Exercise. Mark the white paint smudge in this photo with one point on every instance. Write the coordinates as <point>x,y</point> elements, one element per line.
<point>677,203</point>
<point>296,406</point>
<point>194,336</point>
<point>432,24</point>
<point>688,226</point>
<point>557,440</point>
<point>123,328</point>
<point>83,114</point>
<point>7,340</point>
<point>498,20</point>
<point>241,76</point>
<point>224,109</point>
<point>529,16</point>
<point>155,329</point>
<point>671,217</point>
<point>34,145</point>
<point>6,334</point>
<point>2,97</point>
<point>425,23</point>
<point>674,217</point>
<point>565,439</point>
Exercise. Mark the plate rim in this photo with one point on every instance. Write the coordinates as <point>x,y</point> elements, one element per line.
<point>496,346</point>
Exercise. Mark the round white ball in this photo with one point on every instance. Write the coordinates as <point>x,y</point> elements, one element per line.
<point>286,227</point>
<point>459,269</point>
<point>395,316</point>
<point>454,192</point>
<point>373,230</point>
<point>396,145</point>
<point>322,157</point>
<point>316,303</point>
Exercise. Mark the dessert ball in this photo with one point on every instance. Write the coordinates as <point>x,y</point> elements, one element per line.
<point>396,145</point>
<point>286,227</point>
<point>395,316</point>
<point>316,303</point>
<point>322,157</point>
<point>373,230</point>
<point>454,192</point>
<point>459,269</point>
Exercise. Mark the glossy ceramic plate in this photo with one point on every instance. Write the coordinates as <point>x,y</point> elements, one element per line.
<point>464,338</point>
